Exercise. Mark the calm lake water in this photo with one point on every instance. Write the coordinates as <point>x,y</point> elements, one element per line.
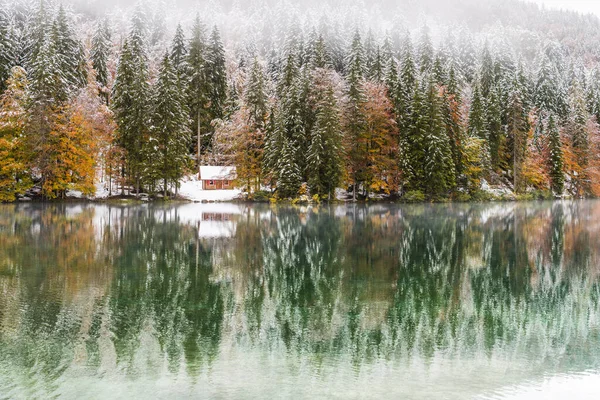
<point>490,301</point>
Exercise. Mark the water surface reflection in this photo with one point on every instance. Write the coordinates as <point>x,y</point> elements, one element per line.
<point>223,300</point>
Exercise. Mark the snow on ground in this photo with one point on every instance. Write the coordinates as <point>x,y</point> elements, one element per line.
<point>191,189</point>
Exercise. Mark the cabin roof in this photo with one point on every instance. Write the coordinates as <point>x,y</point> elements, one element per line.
<point>214,172</point>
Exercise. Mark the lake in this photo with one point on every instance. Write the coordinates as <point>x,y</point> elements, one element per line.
<point>451,301</point>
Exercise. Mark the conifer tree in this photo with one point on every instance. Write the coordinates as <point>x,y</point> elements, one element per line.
<point>477,116</point>
<point>517,132</point>
<point>6,50</point>
<point>454,124</point>
<point>325,151</point>
<point>320,57</point>
<point>101,49</point>
<point>438,164</point>
<point>199,91</point>
<point>216,75</point>
<point>179,54</point>
<point>256,97</point>
<point>425,51</point>
<point>555,160</point>
<point>355,117</point>
<point>69,50</point>
<point>131,95</point>
<point>170,127</point>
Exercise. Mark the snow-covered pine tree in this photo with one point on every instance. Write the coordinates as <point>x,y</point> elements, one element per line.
<point>320,57</point>
<point>216,75</point>
<point>179,54</point>
<point>255,96</point>
<point>101,51</point>
<point>170,134</point>
<point>325,150</point>
<point>425,51</point>
<point>6,49</point>
<point>355,71</point>
<point>438,164</point>
<point>69,50</point>
<point>516,129</point>
<point>477,116</point>
<point>131,98</point>
<point>199,89</point>
<point>555,159</point>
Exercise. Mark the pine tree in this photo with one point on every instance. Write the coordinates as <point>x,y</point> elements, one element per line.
<point>325,151</point>
<point>6,50</point>
<point>494,129</point>
<point>179,54</point>
<point>438,164</point>
<point>355,116</point>
<point>199,91</point>
<point>425,51</point>
<point>131,95</point>
<point>517,132</point>
<point>255,96</point>
<point>101,49</point>
<point>216,75</point>
<point>320,57</point>
<point>170,127</point>
<point>487,75</point>
<point>477,116</point>
<point>555,159</point>
<point>454,124</point>
<point>69,50</point>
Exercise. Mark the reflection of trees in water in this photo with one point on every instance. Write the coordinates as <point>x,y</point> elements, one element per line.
<point>137,289</point>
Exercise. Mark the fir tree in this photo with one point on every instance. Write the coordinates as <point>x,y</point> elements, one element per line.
<point>6,49</point>
<point>477,116</point>
<point>170,127</point>
<point>425,51</point>
<point>131,94</point>
<point>325,151</point>
<point>101,47</point>
<point>356,119</point>
<point>69,50</point>
<point>216,75</point>
<point>255,96</point>
<point>179,54</point>
<point>555,159</point>
<point>199,90</point>
<point>517,132</point>
<point>438,164</point>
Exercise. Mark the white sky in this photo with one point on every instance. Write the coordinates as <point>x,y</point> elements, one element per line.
<point>584,6</point>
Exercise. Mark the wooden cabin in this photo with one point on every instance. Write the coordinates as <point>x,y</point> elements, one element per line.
<point>217,177</point>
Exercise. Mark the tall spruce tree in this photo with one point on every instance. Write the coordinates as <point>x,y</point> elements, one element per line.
<point>216,75</point>
<point>438,164</point>
<point>355,67</point>
<point>170,127</point>
<point>69,50</point>
<point>101,49</point>
<point>517,132</point>
<point>131,95</point>
<point>199,90</point>
<point>7,45</point>
<point>179,53</point>
<point>556,157</point>
<point>325,151</point>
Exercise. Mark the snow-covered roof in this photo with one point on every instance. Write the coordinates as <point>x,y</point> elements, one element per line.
<point>216,172</point>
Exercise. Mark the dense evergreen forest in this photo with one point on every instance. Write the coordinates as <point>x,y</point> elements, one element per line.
<point>419,102</point>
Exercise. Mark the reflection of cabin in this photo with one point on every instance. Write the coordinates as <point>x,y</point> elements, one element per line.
<point>217,177</point>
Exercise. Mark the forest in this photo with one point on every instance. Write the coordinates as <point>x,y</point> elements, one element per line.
<point>381,102</point>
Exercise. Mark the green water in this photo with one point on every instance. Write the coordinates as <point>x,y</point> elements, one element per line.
<point>232,301</point>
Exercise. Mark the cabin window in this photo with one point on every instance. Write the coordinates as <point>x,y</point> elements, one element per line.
<point>225,182</point>
<point>211,182</point>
